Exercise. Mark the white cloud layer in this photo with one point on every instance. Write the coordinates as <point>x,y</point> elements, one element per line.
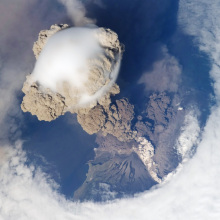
<point>25,191</point>
<point>189,135</point>
<point>192,193</point>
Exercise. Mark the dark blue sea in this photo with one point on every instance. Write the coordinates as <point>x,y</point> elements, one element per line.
<point>61,147</point>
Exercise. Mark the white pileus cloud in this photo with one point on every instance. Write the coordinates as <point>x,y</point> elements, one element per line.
<point>80,63</point>
<point>65,59</point>
<point>192,193</point>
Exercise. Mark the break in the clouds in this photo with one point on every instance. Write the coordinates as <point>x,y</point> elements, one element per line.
<point>192,193</point>
<point>165,74</point>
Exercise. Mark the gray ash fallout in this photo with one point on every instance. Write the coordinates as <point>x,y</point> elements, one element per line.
<point>134,151</point>
<point>142,159</point>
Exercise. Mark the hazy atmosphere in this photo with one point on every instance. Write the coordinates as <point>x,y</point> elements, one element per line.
<point>109,109</point>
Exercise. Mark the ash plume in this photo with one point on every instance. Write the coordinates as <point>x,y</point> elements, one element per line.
<point>77,12</point>
<point>76,68</point>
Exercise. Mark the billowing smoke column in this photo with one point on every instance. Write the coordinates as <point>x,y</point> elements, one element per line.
<point>77,12</point>
<point>65,58</point>
<point>76,69</point>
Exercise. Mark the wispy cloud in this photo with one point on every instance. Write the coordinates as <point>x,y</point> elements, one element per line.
<point>26,192</point>
<point>192,193</point>
<point>200,19</point>
<point>16,57</point>
<point>189,136</point>
<point>77,12</point>
<point>165,75</point>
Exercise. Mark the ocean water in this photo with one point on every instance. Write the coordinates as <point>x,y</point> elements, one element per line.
<point>196,87</point>
<point>61,147</point>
